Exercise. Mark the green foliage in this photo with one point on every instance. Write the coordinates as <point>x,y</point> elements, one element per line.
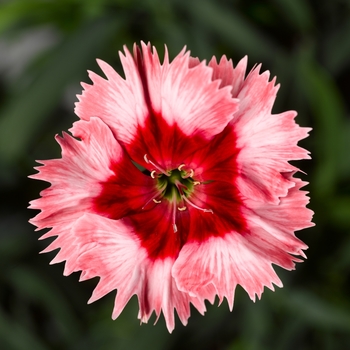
<point>305,43</point>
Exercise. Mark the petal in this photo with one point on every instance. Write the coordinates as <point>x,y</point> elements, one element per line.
<point>110,250</point>
<point>216,160</point>
<point>94,174</point>
<point>164,145</point>
<point>228,75</point>
<point>219,264</point>
<point>281,220</point>
<point>254,149</point>
<point>225,212</point>
<point>223,254</point>
<point>266,141</point>
<point>75,177</point>
<point>119,102</point>
<point>66,243</point>
<point>154,226</point>
<point>187,96</point>
<point>162,110</point>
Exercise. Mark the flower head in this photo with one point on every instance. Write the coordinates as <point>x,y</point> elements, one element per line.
<point>176,185</point>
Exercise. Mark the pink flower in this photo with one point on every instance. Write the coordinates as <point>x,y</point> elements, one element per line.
<point>215,203</point>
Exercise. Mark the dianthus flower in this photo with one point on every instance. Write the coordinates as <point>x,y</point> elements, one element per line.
<point>176,185</point>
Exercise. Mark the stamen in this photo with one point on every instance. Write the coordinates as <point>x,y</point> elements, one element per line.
<point>180,186</point>
<point>195,183</point>
<point>174,217</point>
<point>152,174</point>
<point>196,206</point>
<point>155,201</point>
<point>156,166</point>
<point>186,173</point>
<point>150,200</point>
<point>182,208</point>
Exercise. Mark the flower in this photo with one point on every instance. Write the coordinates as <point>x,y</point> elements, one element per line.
<point>176,185</point>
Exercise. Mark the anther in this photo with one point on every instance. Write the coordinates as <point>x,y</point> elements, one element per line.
<point>155,201</point>
<point>187,175</point>
<point>152,174</point>
<point>195,183</point>
<point>182,208</point>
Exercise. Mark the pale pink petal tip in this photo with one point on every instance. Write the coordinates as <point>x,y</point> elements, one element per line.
<point>110,251</point>
<point>224,264</point>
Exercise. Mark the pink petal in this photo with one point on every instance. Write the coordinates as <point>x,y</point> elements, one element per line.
<point>220,264</point>
<point>165,145</point>
<point>266,141</point>
<point>220,165</point>
<point>229,76</point>
<point>281,220</point>
<point>110,250</point>
<point>75,177</point>
<point>119,102</point>
<point>88,169</point>
<point>154,228</point>
<point>242,254</point>
<point>187,96</point>
<point>170,101</point>
<point>252,161</point>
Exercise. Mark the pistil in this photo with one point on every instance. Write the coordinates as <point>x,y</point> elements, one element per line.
<point>197,207</point>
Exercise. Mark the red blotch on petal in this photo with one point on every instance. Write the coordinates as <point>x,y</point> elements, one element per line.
<point>166,145</point>
<point>213,161</point>
<point>125,192</point>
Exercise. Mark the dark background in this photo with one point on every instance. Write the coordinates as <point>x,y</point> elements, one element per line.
<point>46,48</point>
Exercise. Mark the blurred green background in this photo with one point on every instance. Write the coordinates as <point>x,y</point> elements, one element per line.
<point>46,47</point>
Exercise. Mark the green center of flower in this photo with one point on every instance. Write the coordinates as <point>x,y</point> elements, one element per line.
<point>175,185</point>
